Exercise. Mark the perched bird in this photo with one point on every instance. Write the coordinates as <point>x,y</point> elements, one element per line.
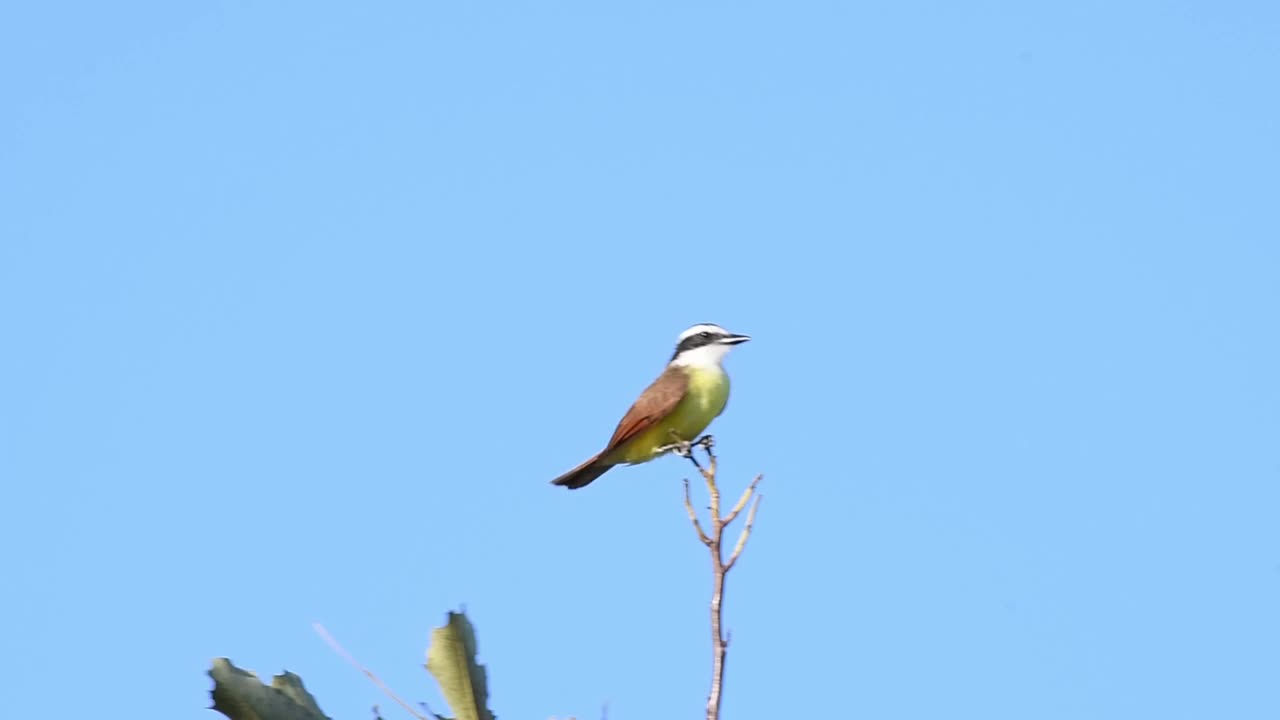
<point>678,406</point>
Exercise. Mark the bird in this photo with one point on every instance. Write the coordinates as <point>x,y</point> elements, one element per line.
<point>673,410</point>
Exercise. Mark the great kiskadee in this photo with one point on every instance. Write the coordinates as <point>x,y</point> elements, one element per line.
<point>678,406</point>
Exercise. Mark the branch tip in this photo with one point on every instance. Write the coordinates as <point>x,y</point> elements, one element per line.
<point>742,501</point>
<point>693,516</point>
<point>333,643</point>
<point>746,532</point>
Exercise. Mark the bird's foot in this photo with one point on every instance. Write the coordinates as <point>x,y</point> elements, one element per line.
<point>683,448</point>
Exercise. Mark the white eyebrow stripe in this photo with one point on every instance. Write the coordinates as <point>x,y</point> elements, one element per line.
<point>705,327</point>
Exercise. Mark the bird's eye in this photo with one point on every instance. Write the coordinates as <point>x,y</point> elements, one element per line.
<point>704,334</point>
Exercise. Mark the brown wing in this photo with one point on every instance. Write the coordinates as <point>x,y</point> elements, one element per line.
<point>655,403</point>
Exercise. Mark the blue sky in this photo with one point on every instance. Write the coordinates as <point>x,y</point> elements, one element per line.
<point>305,304</point>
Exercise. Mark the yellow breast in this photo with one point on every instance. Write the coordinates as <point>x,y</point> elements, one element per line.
<point>705,398</point>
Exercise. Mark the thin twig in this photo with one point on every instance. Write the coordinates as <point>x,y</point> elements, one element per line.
<point>688,505</point>
<point>714,492</point>
<point>742,501</point>
<point>746,532</point>
<point>381,685</point>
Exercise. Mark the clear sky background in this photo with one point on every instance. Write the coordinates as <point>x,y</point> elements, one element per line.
<point>304,304</point>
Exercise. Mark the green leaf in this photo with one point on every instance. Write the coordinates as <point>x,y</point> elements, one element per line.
<point>451,659</point>
<point>239,695</point>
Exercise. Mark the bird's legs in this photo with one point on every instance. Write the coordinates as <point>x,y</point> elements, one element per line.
<point>685,448</point>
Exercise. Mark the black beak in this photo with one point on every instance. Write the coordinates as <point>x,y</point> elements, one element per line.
<point>735,339</point>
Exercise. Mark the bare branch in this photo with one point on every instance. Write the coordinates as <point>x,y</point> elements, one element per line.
<point>742,501</point>
<point>715,543</point>
<point>714,493</point>
<point>746,532</point>
<point>381,685</point>
<point>688,505</point>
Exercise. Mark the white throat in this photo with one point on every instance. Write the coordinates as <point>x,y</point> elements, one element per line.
<point>706,356</point>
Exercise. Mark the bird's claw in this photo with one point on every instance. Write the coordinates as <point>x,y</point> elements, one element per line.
<point>683,448</point>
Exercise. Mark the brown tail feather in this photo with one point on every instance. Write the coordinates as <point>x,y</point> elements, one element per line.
<point>583,474</point>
